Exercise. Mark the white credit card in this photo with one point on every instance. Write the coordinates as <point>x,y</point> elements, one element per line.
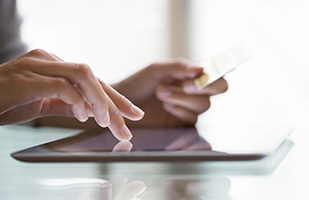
<point>221,64</point>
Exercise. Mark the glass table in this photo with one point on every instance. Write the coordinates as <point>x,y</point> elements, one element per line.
<point>283,175</point>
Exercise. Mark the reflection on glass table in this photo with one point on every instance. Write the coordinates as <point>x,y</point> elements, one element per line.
<point>185,188</point>
<point>198,180</point>
<point>21,180</point>
<point>177,181</point>
<point>92,189</point>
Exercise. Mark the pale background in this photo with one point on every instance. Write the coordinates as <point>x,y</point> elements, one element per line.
<point>118,37</point>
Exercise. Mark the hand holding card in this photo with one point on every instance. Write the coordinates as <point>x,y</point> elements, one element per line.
<point>220,65</point>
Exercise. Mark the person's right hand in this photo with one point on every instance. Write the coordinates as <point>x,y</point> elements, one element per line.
<point>39,84</point>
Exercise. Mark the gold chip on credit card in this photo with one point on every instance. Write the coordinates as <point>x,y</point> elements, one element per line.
<point>201,81</point>
<point>221,64</point>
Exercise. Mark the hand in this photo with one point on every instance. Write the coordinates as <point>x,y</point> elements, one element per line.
<point>167,94</point>
<point>40,84</point>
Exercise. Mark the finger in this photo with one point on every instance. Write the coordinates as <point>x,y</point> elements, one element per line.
<point>57,96</point>
<point>57,58</point>
<point>81,75</point>
<point>179,69</point>
<point>181,113</point>
<point>87,104</point>
<point>42,55</point>
<point>126,107</point>
<point>194,103</point>
<point>36,53</point>
<point>217,87</point>
<point>89,110</point>
<point>61,88</point>
<point>55,106</point>
<point>117,125</point>
<point>114,116</point>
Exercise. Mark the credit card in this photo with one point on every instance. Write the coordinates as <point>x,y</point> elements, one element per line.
<point>221,64</point>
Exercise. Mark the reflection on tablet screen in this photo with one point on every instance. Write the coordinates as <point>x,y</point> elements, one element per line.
<point>165,144</point>
<point>173,139</point>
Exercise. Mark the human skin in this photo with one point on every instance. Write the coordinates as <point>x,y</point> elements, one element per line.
<point>167,94</point>
<point>165,91</point>
<point>39,84</point>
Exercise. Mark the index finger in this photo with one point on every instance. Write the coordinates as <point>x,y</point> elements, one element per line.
<point>81,75</point>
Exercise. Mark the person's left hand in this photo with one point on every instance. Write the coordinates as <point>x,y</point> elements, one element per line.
<point>167,94</point>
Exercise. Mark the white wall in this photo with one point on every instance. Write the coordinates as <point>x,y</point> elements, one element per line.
<point>272,87</point>
<point>114,37</point>
<point>118,37</point>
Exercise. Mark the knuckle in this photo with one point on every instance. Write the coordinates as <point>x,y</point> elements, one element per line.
<point>37,52</point>
<point>61,83</point>
<point>181,63</point>
<point>116,113</point>
<point>83,70</point>
<point>26,61</point>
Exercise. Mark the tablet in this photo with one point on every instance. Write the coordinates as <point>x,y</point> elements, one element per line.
<point>162,145</point>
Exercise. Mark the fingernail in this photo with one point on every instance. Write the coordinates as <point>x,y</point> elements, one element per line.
<point>82,117</point>
<point>164,92</point>
<point>137,110</point>
<point>126,132</point>
<point>85,115</point>
<point>190,87</point>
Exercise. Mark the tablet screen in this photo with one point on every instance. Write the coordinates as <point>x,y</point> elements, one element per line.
<point>171,139</point>
<point>162,144</point>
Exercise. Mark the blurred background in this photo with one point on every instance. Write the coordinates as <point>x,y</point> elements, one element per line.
<point>118,37</point>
